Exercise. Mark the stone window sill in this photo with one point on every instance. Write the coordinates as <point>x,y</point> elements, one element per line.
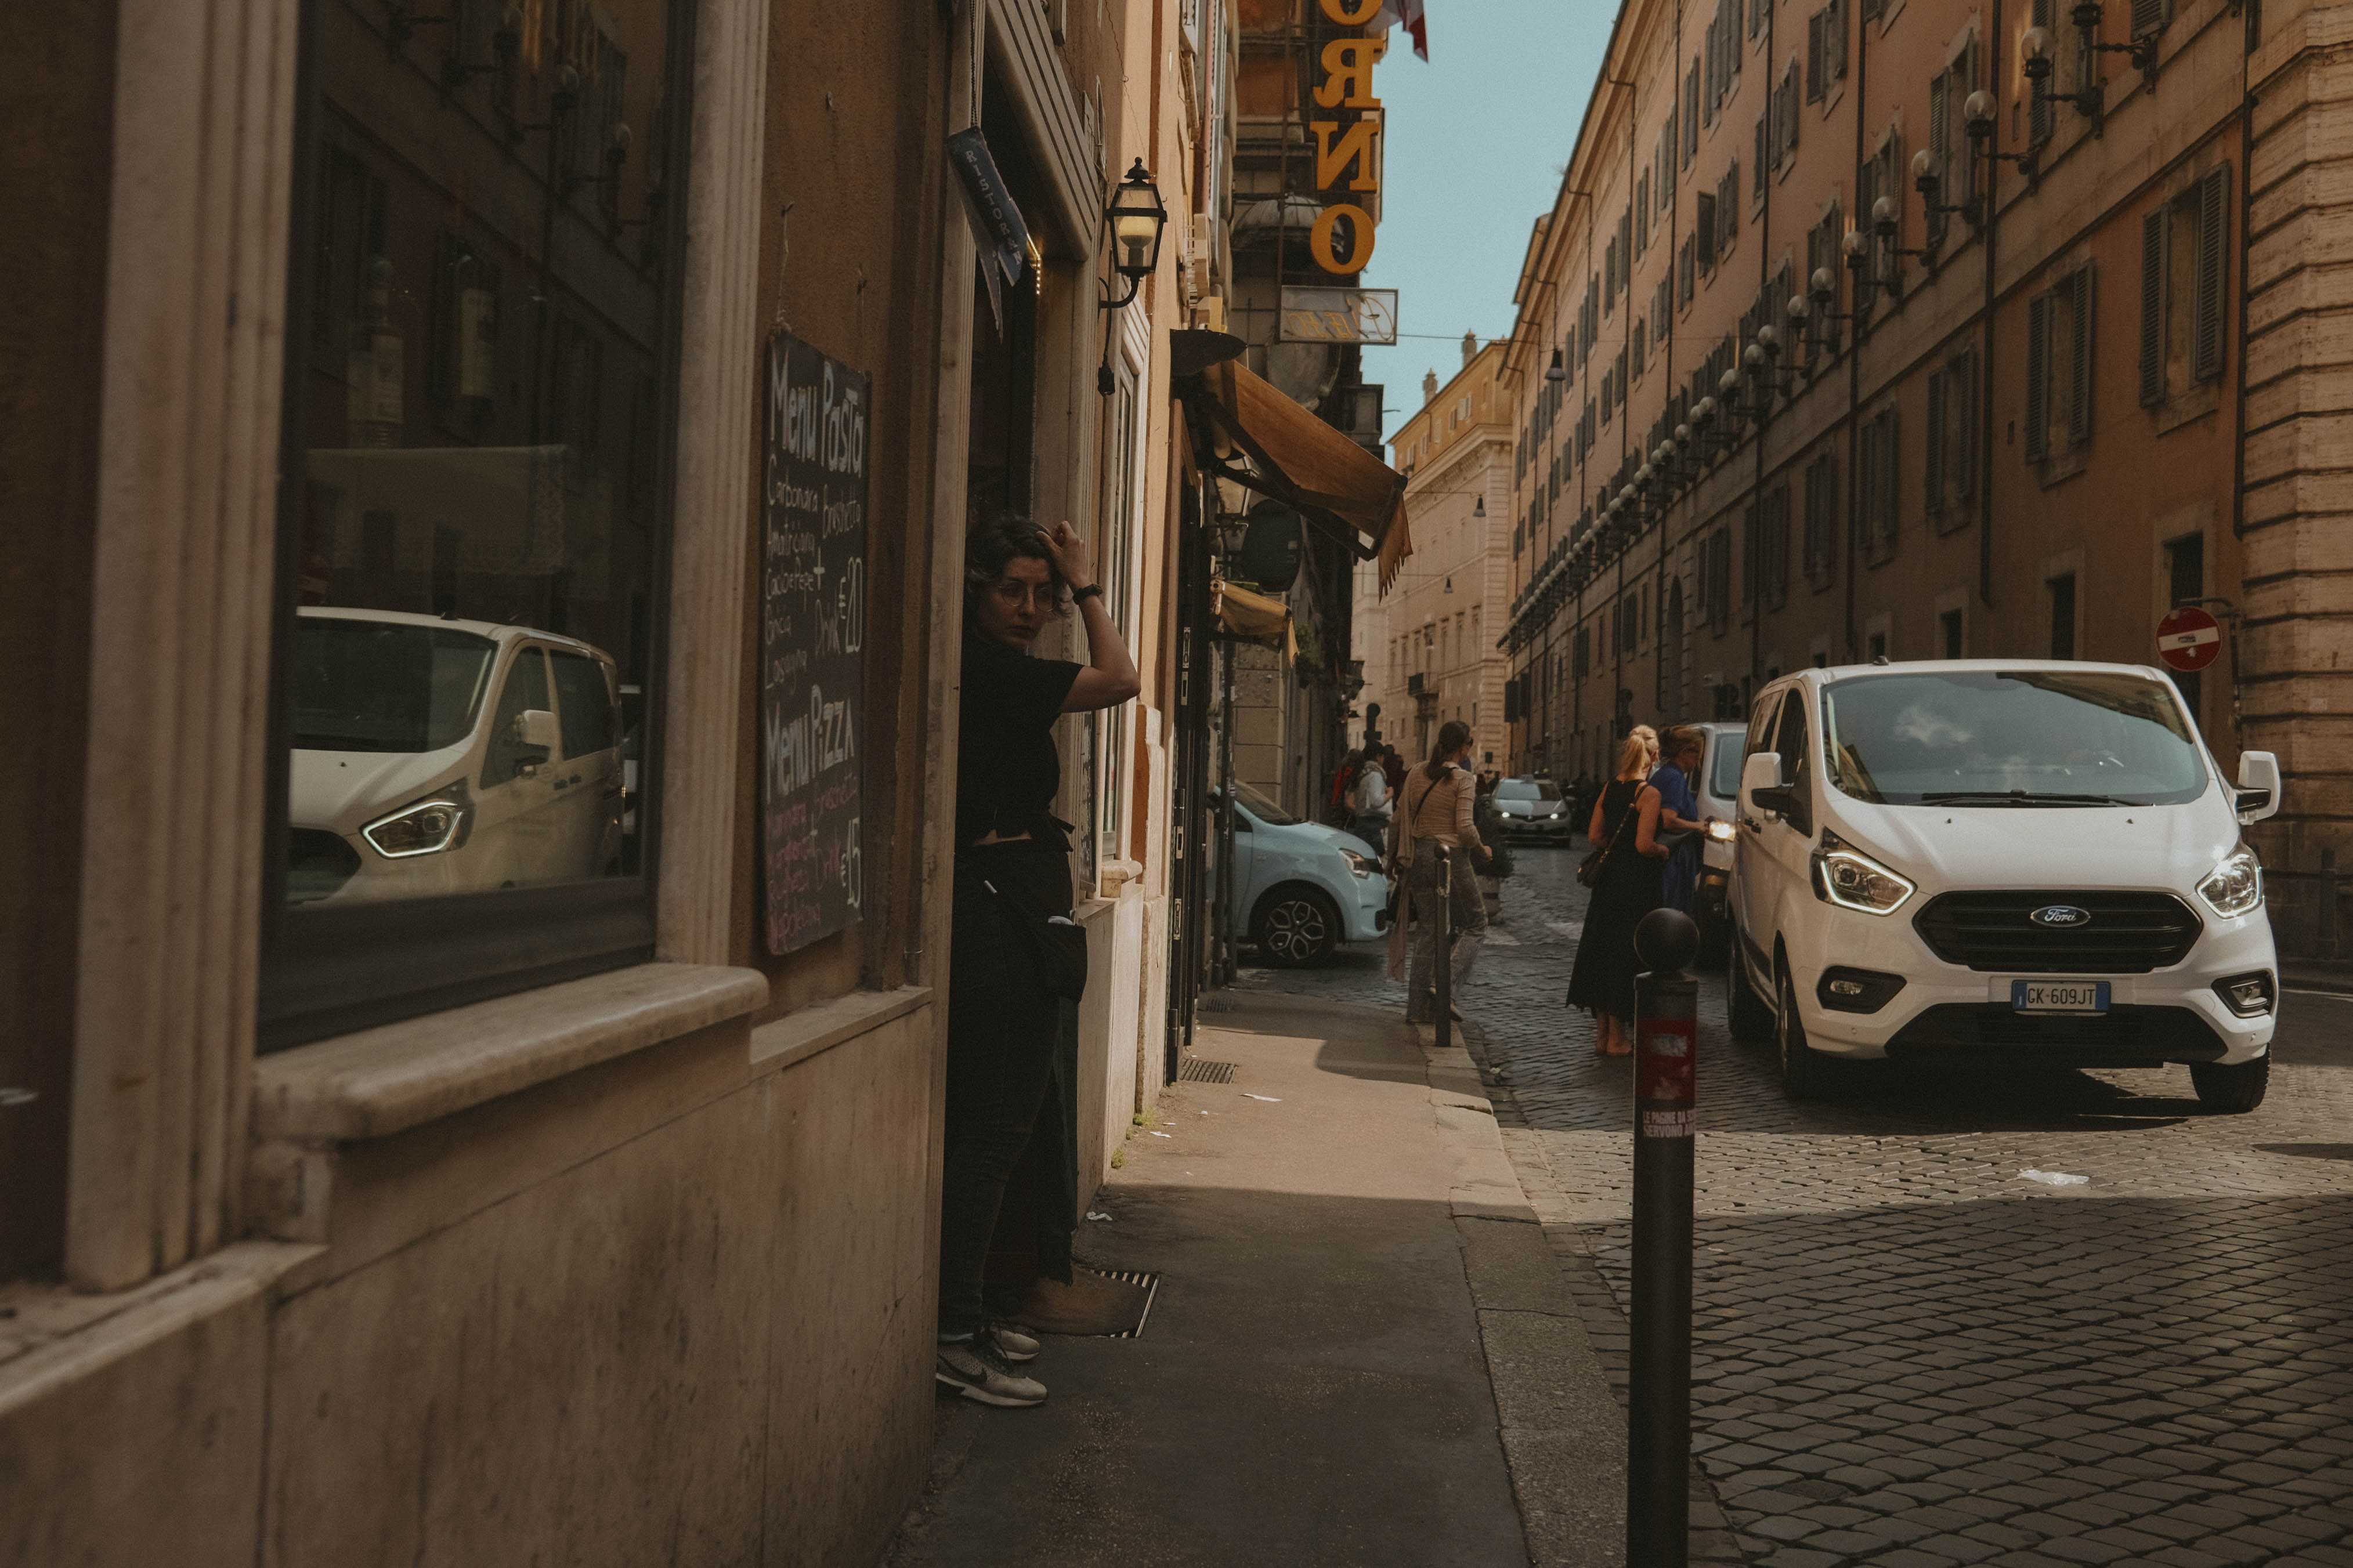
<point>387,1079</point>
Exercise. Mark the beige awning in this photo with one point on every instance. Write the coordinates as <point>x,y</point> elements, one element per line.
<point>1294,456</point>
<point>1252,615</point>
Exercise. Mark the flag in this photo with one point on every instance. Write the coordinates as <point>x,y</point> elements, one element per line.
<point>1408,13</point>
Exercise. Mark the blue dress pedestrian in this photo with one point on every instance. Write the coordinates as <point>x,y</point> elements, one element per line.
<point>1679,883</point>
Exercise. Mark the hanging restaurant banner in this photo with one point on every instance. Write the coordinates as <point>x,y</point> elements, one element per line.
<point>997,225</point>
<point>812,641</point>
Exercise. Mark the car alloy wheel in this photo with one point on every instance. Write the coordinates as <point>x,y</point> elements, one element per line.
<point>1295,930</point>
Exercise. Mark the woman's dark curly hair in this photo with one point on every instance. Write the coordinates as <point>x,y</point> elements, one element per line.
<point>996,544</point>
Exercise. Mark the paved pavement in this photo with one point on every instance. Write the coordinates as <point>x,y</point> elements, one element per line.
<point>1907,1355</point>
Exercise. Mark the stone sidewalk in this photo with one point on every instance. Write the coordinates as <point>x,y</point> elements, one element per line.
<point>1362,1350</point>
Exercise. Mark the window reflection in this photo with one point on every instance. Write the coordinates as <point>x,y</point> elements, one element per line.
<point>479,499</point>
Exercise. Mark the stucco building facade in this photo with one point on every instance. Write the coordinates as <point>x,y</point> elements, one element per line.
<point>2083,373</point>
<point>583,1210</point>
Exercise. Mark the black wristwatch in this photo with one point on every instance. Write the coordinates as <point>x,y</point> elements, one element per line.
<point>1092,591</point>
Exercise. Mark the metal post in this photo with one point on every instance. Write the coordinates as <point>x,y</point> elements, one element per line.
<point>1443,982</point>
<point>1658,1433</point>
<point>2327,924</point>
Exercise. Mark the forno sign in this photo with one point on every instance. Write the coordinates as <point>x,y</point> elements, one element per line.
<point>1347,153</point>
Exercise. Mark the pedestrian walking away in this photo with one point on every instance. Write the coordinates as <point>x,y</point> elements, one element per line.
<point>1680,827</point>
<point>1435,808</point>
<point>1368,816</point>
<point>1624,831</point>
<point>1017,958</point>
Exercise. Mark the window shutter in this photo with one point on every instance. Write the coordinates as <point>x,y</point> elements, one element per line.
<point>1890,472</point>
<point>2213,230</point>
<point>1867,460</point>
<point>2152,308</point>
<point>1934,454</point>
<point>1727,206</point>
<point>1964,388</point>
<point>1789,121</point>
<point>2079,415</point>
<point>1940,91</point>
<point>2041,110</point>
<point>2148,16</point>
<point>1834,43</point>
<point>1703,227</point>
<point>1814,30</point>
<point>2038,377</point>
<point>1762,152</point>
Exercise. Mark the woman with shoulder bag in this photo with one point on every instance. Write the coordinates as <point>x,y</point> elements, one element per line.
<point>1434,808</point>
<point>1016,956</point>
<point>1624,874</point>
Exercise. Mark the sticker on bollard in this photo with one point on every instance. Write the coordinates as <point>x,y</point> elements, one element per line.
<point>1665,1076</point>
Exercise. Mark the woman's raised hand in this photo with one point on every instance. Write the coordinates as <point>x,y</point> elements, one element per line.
<point>1068,549</point>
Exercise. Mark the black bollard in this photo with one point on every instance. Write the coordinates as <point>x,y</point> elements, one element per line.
<point>1658,1428</point>
<point>1442,983</point>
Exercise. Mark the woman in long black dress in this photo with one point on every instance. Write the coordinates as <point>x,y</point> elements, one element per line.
<point>1625,823</point>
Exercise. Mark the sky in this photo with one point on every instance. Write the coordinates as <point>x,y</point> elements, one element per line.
<point>1475,141</point>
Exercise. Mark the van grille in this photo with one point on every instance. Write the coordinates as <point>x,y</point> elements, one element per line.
<point>2128,933</point>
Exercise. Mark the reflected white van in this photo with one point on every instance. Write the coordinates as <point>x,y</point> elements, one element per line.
<point>434,755</point>
<point>2023,860</point>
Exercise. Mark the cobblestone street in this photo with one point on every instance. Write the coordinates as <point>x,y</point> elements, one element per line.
<point>1907,1355</point>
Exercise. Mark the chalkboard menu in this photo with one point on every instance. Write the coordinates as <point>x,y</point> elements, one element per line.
<point>812,640</point>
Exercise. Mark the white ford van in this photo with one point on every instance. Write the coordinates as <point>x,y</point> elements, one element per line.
<point>2024,860</point>
<point>447,756</point>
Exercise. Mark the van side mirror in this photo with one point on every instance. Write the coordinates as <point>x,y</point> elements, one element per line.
<point>2259,785</point>
<point>534,731</point>
<point>1761,788</point>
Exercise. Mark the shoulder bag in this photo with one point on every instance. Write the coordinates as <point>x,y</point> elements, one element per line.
<point>1588,870</point>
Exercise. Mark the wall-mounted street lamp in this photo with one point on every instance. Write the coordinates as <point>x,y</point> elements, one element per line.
<point>2090,100</point>
<point>1137,216</point>
<point>2142,51</point>
<point>1557,370</point>
<point>1929,181</point>
<point>1978,113</point>
<point>1884,216</point>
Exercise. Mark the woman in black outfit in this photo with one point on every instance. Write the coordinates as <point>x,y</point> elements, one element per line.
<point>1012,878</point>
<point>1625,822</point>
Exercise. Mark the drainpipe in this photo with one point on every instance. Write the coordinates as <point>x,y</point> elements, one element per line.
<point>1855,342</point>
<point>1765,401</point>
<point>1985,353</point>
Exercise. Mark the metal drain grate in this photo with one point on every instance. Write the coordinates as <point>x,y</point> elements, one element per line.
<point>1149,1280</point>
<point>1196,1071</point>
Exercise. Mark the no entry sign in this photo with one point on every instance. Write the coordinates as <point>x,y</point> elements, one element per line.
<point>2189,638</point>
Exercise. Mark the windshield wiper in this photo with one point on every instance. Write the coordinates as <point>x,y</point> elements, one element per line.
<point>2021,798</point>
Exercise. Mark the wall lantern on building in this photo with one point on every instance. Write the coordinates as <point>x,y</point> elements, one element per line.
<point>2142,51</point>
<point>1557,370</point>
<point>1884,218</point>
<point>1479,507</point>
<point>1977,115</point>
<point>1856,247</point>
<point>2090,100</point>
<point>1138,218</point>
<point>1929,181</point>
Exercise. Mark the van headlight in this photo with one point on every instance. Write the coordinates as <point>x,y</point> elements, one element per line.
<point>2236,886</point>
<point>426,828</point>
<point>1847,877</point>
<point>1362,865</point>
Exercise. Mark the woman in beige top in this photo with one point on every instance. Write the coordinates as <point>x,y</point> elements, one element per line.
<point>1433,807</point>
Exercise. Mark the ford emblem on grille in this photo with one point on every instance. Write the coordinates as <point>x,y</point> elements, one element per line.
<point>2061,915</point>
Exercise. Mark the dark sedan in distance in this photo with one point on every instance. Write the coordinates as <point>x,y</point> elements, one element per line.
<point>1534,811</point>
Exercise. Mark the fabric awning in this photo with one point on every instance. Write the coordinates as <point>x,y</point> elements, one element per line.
<point>1293,455</point>
<point>1252,616</point>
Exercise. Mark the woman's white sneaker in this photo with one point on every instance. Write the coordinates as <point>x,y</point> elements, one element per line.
<point>1013,1345</point>
<point>977,1369</point>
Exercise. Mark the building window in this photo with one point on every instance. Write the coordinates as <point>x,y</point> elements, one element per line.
<point>476,514</point>
<point>2059,367</point>
<point>2182,268</point>
<point>2061,593</point>
<point>1825,50</point>
<point>1876,513</point>
<point>1948,141</point>
<point>1823,484</point>
<point>1952,456</point>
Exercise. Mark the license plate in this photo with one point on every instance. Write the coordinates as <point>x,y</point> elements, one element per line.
<point>2059,996</point>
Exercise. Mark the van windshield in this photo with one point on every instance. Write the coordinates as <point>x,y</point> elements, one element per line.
<point>383,685</point>
<point>2000,737</point>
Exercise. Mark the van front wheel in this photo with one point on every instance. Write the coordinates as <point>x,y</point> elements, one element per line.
<point>2234,1088</point>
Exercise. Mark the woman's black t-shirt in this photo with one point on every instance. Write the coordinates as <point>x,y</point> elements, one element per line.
<point>1007,768</point>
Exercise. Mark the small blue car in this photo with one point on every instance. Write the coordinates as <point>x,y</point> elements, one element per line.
<point>1301,888</point>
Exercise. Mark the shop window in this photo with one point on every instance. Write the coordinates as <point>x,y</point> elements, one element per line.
<point>478,429</point>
